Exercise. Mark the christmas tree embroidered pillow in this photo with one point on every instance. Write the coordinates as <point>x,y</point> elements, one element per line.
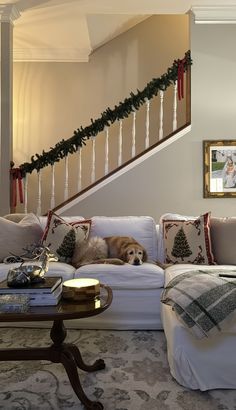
<point>188,241</point>
<point>62,237</point>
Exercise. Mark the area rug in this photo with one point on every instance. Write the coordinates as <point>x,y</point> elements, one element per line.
<point>136,376</point>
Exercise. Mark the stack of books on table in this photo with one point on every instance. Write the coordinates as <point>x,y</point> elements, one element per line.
<point>46,293</point>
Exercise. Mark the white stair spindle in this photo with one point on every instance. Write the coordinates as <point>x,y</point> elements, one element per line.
<point>107,151</point>
<point>93,161</point>
<point>79,184</point>
<point>134,135</point>
<point>66,184</point>
<point>39,211</point>
<point>52,202</point>
<point>147,142</point>
<point>161,115</point>
<point>175,107</point>
<point>120,144</point>
<point>26,193</point>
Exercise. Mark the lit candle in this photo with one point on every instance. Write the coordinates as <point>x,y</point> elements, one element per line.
<point>81,289</point>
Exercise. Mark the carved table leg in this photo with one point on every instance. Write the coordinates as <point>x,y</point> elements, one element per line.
<point>58,332</point>
<point>68,362</point>
<point>70,356</point>
<point>97,365</point>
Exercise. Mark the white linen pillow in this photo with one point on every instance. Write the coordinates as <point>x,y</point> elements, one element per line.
<point>14,237</point>
<point>141,228</point>
<point>223,238</point>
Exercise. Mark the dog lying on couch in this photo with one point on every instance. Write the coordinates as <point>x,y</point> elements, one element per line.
<point>116,250</point>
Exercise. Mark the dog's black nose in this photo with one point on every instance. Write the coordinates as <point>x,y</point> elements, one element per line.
<point>136,261</point>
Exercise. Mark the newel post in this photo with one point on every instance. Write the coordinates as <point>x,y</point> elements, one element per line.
<point>8,13</point>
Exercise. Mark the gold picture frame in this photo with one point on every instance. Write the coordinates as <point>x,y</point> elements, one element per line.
<point>219,168</point>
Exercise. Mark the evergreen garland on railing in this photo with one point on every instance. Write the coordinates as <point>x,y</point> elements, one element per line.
<point>108,117</point>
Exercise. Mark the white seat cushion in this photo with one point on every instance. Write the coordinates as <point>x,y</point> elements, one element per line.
<point>145,276</point>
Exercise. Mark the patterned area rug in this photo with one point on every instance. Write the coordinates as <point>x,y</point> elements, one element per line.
<point>136,376</point>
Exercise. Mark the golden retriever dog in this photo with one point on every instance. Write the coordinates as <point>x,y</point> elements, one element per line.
<point>126,249</point>
<point>116,250</point>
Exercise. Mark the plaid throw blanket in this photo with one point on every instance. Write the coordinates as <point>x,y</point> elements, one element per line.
<point>202,300</point>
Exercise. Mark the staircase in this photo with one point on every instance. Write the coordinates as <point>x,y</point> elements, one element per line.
<point>121,138</point>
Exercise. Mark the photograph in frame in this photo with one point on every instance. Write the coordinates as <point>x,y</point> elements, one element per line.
<point>219,168</point>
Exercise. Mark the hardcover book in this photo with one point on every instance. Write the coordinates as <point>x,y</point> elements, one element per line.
<point>47,286</point>
<point>46,299</point>
<point>14,303</point>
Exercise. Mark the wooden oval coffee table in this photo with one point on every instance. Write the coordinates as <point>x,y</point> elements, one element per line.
<point>59,352</point>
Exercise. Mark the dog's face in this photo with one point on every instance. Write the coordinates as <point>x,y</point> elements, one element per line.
<point>134,255</point>
<point>127,249</point>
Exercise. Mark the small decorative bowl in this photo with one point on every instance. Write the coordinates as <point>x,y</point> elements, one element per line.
<point>24,275</point>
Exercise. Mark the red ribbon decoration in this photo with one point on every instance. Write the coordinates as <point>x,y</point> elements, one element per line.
<point>15,174</point>
<point>181,78</point>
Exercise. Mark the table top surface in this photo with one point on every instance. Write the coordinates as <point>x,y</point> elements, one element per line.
<point>64,310</point>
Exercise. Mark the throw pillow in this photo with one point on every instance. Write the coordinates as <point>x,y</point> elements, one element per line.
<point>16,237</point>
<point>62,237</point>
<point>188,241</point>
<point>223,239</point>
<point>160,244</point>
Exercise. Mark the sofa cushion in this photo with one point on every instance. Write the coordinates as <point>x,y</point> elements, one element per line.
<point>61,236</point>
<point>187,241</point>
<point>16,236</point>
<point>141,228</point>
<point>145,276</point>
<point>223,239</point>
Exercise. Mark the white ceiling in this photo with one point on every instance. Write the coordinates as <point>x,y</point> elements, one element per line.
<point>69,30</point>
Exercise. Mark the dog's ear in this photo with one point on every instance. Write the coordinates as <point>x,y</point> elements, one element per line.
<point>145,256</point>
<point>122,254</point>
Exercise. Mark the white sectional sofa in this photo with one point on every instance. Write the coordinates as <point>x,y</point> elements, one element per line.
<point>208,363</point>
<point>204,364</point>
<point>136,289</point>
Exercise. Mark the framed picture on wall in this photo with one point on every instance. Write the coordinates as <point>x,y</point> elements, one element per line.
<point>219,168</point>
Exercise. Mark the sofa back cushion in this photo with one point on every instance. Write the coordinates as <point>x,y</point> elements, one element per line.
<point>141,228</point>
<point>223,239</point>
<point>16,236</point>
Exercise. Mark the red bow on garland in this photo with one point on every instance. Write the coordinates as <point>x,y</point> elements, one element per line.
<point>181,78</point>
<point>15,174</point>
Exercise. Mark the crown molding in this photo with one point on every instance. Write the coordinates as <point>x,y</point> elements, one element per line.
<point>8,13</point>
<point>51,55</point>
<point>214,14</point>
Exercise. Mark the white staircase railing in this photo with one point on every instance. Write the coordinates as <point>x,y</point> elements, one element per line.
<point>118,137</point>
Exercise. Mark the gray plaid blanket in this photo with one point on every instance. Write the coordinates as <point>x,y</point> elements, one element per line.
<point>203,300</point>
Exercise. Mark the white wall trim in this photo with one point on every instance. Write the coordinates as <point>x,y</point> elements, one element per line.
<point>214,14</point>
<point>122,171</point>
<point>8,13</point>
<point>49,54</point>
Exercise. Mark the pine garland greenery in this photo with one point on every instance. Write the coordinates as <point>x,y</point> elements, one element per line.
<point>108,117</point>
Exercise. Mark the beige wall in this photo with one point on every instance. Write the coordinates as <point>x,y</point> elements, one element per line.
<point>172,180</point>
<point>53,99</point>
